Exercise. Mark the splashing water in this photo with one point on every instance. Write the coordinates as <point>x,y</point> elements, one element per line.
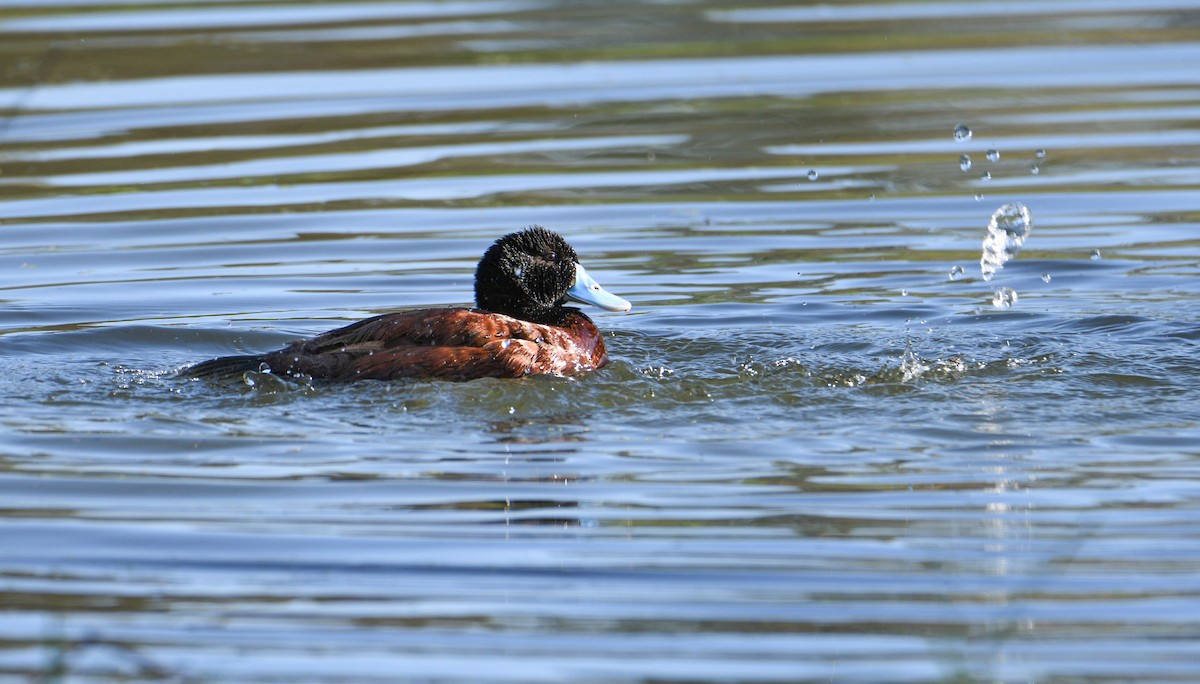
<point>1006,234</point>
<point>911,366</point>
<point>1004,298</point>
<point>956,271</point>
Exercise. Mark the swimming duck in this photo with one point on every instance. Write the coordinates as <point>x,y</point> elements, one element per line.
<point>520,326</point>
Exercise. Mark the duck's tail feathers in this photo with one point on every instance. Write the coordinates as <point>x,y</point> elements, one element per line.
<point>223,367</point>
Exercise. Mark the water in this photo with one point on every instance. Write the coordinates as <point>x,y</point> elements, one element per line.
<point>1007,232</point>
<point>1005,298</point>
<point>791,469</point>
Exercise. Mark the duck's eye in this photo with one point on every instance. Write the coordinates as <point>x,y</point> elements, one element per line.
<point>553,256</point>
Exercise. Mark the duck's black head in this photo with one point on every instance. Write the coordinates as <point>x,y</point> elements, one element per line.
<point>531,274</point>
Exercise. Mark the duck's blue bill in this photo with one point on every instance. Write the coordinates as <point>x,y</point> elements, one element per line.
<point>588,291</point>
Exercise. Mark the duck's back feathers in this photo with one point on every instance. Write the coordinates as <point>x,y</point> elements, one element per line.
<point>452,344</point>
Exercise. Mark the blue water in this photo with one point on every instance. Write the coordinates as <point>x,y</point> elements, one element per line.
<point>820,451</point>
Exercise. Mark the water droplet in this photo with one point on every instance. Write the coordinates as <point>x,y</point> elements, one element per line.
<point>956,271</point>
<point>1004,298</point>
<point>1095,255</point>
<point>987,176</point>
<point>1045,277</point>
<point>813,175</point>
<point>871,198</point>
<point>1006,234</point>
<point>993,155</point>
<point>962,133</point>
<point>964,162</point>
<point>904,292</point>
<point>1034,169</point>
<point>1040,154</point>
<point>979,197</point>
<point>650,156</point>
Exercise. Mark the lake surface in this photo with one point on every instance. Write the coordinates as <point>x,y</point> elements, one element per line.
<point>825,448</point>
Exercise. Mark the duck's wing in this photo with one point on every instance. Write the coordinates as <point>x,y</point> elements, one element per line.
<point>497,359</point>
<point>323,355</point>
<point>431,343</point>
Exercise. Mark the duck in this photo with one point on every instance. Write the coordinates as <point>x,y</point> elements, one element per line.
<point>520,326</point>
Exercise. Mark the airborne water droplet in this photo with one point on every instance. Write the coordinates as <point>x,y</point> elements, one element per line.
<point>813,175</point>
<point>993,155</point>
<point>1004,298</point>
<point>987,176</point>
<point>956,272</point>
<point>962,133</point>
<point>1040,154</point>
<point>1095,255</point>
<point>1006,234</point>
<point>1034,169</point>
<point>1045,277</point>
<point>964,162</point>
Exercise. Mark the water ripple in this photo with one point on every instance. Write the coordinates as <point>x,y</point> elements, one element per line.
<point>813,455</point>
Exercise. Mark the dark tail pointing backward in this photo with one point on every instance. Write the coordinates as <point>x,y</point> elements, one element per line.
<point>224,366</point>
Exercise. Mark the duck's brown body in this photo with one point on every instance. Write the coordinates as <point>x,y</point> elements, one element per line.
<point>450,344</point>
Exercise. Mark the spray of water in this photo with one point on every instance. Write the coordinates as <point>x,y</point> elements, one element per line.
<point>1006,234</point>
